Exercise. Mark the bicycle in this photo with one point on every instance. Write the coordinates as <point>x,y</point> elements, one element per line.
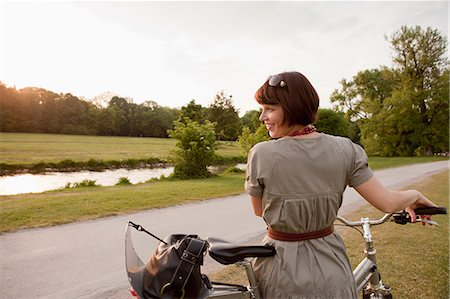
<point>366,274</point>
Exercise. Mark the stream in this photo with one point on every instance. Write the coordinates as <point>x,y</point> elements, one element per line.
<point>36,183</point>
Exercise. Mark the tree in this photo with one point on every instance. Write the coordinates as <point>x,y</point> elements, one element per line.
<point>251,120</point>
<point>194,112</point>
<point>364,96</point>
<point>75,116</point>
<point>107,124</point>
<point>402,111</point>
<point>125,115</point>
<point>158,121</point>
<point>195,148</point>
<point>332,122</point>
<point>9,118</point>
<point>420,61</point>
<point>225,116</point>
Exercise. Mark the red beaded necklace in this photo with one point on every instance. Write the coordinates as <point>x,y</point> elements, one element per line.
<point>305,131</point>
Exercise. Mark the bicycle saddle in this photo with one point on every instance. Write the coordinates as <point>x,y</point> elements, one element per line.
<point>226,253</point>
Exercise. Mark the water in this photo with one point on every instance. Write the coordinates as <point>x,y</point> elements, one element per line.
<point>36,183</point>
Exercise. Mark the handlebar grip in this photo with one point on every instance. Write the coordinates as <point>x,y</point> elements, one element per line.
<point>431,210</point>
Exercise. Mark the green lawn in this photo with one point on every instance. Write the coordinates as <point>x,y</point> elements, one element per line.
<point>413,259</point>
<point>30,148</point>
<point>25,148</point>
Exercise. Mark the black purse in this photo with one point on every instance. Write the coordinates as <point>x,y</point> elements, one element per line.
<point>173,271</point>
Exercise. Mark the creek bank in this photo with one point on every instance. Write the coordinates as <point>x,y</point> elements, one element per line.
<point>73,166</point>
<point>68,165</point>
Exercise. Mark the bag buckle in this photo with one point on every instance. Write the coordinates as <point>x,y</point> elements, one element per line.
<point>164,287</point>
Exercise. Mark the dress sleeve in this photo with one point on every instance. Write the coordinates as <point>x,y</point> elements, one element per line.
<point>254,184</point>
<point>361,171</point>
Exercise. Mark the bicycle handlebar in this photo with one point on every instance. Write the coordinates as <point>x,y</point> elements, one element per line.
<point>431,211</point>
<point>400,217</point>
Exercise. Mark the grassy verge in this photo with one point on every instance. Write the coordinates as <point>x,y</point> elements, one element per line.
<point>63,206</point>
<point>413,259</point>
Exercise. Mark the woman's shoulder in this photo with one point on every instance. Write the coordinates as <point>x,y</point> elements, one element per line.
<point>263,146</point>
<point>346,145</point>
<point>266,149</point>
<point>336,139</point>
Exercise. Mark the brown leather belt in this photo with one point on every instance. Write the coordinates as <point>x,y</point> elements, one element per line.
<point>295,237</point>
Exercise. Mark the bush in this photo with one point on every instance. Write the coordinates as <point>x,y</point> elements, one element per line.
<point>123,181</point>
<point>195,148</point>
<point>83,183</point>
<point>248,139</point>
<point>233,170</point>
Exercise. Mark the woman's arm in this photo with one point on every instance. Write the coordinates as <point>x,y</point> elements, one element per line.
<point>390,201</point>
<point>257,205</point>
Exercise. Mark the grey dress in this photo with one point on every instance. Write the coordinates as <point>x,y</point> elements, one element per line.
<point>301,182</point>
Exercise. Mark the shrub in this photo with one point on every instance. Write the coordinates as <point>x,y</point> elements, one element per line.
<point>123,181</point>
<point>83,183</point>
<point>195,148</point>
<point>248,139</point>
<point>232,170</point>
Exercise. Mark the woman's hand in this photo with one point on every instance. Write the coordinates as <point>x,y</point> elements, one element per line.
<point>421,202</point>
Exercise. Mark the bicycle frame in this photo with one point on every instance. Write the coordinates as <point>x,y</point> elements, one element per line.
<point>366,273</point>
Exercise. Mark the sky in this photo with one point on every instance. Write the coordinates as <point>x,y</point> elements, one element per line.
<point>174,52</point>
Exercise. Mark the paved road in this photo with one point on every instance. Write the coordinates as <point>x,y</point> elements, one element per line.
<point>86,259</point>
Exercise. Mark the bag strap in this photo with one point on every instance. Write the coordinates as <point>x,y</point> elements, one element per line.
<point>191,257</point>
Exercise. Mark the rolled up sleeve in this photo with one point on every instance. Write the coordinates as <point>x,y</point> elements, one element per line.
<point>361,171</point>
<point>254,184</point>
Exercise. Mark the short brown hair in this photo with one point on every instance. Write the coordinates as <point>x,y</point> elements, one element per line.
<point>297,97</point>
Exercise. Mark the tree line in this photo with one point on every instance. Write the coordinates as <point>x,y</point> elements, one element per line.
<point>37,110</point>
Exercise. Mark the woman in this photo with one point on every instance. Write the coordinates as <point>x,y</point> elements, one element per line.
<point>296,182</point>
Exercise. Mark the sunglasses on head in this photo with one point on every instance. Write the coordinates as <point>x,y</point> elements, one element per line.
<point>276,80</point>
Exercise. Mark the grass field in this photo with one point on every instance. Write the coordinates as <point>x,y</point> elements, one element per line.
<point>413,259</point>
<point>26,148</point>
